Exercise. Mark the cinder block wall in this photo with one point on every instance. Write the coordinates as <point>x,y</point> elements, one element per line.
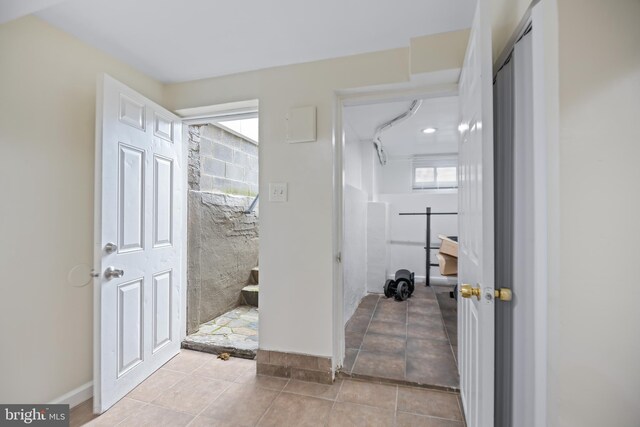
<point>227,163</point>
<point>223,240</point>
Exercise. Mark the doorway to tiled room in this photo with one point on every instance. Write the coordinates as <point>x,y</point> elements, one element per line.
<point>400,159</point>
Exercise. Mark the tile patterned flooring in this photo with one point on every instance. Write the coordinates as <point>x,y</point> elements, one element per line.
<point>404,342</point>
<point>235,332</point>
<point>197,389</point>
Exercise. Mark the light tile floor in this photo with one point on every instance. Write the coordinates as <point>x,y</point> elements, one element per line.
<point>404,342</point>
<point>235,332</point>
<point>197,389</point>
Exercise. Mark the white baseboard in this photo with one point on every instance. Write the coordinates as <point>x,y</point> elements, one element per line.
<point>75,396</point>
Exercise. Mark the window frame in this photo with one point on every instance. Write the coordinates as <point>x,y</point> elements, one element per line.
<point>435,162</point>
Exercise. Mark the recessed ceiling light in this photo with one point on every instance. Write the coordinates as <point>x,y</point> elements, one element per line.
<point>463,127</point>
<point>429,130</point>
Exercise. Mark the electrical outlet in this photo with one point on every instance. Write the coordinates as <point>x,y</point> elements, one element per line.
<point>278,192</point>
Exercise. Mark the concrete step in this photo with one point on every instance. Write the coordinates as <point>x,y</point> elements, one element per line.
<point>255,275</point>
<point>250,294</point>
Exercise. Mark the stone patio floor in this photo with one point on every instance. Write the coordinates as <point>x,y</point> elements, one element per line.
<point>235,332</point>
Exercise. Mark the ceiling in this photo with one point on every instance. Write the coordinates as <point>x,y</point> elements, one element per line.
<point>406,138</point>
<point>175,41</point>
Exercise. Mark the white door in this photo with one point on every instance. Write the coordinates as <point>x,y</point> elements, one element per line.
<point>476,262</point>
<point>138,240</point>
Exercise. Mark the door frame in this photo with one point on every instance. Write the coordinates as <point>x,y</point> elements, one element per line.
<point>545,169</point>
<point>363,96</point>
<point>193,116</point>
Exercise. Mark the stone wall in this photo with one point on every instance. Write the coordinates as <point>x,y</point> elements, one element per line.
<point>223,240</point>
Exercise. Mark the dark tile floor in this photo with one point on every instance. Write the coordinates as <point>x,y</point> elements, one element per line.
<point>407,342</point>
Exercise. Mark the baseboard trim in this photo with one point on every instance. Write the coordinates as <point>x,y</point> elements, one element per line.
<point>75,396</point>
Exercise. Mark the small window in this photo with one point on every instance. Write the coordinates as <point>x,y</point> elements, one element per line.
<point>435,173</point>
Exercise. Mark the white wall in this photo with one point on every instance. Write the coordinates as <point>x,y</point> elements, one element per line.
<point>407,233</point>
<point>356,197</point>
<point>594,290</point>
<point>377,245</point>
<point>47,120</point>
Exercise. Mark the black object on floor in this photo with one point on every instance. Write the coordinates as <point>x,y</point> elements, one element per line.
<point>402,287</point>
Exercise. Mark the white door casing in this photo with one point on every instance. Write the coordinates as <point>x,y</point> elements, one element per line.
<point>138,208</point>
<point>476,226</point>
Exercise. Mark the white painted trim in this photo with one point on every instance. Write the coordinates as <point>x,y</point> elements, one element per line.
<point>209,111</point>
<point>338,233</point>
<point>546,215</point>
<point>194,116</point>
<point>545,169</point>
<point>184,225</point>
<point>76,396</point>
<point>97,241</point>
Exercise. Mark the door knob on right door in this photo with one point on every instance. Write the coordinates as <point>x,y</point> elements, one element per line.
<point>468,291</point>
<point>503,294</point>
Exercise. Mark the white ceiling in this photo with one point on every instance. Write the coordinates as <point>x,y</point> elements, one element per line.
<point>173,40</point>
<point>406,138</point>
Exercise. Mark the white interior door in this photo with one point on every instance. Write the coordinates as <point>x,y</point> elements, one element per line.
<point>476,262</point>
<point>138,241</point>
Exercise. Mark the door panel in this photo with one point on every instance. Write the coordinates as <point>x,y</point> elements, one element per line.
<point>163,201</point>
<point>476,258</point>
<point>161,309</point>
<point>131,202</point>
<point>137,309</point>
<point>130,320</point>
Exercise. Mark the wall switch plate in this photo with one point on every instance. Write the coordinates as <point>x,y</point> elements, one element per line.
<point>278,192</point>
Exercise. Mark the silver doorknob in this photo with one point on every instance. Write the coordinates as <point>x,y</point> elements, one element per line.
<point>110,248</point>
<point>112,272</point>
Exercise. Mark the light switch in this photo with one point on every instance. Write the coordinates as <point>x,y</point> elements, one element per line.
<point>278,192</point>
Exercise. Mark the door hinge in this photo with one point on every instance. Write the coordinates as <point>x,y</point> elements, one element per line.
<point>339,257</point>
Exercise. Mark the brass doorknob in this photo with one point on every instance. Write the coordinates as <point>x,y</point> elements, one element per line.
<point>468,291</point>
<point>503,294</point>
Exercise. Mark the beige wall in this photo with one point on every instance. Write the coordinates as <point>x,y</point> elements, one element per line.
<point>443,51</point>
<point>47,116</point>
<point>594,341</point>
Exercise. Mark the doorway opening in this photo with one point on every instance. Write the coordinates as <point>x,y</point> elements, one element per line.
<point>223,232</point>
<point>394,167</point>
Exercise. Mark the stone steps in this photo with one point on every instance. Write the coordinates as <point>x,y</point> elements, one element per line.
<point>250,294</point>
